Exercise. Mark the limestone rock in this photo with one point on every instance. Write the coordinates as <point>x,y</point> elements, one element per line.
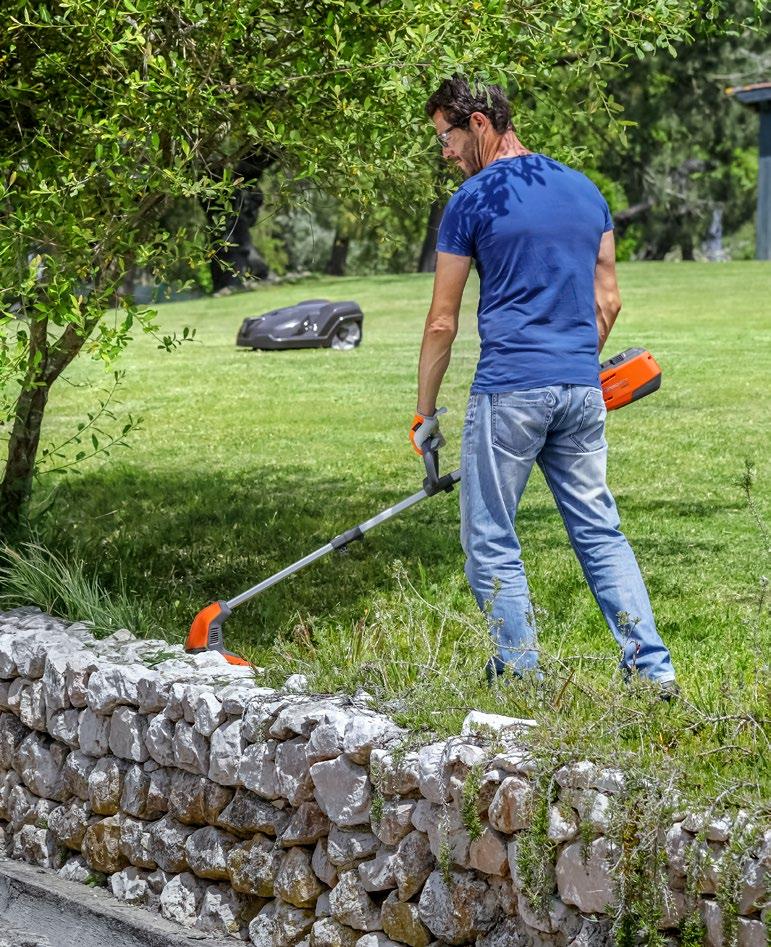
<point>225,753</point>
<point>75,869</point>
<point>460,912</point>
<point>136,842</point>
<point>129,885</point>
<point>306,826</point>
<point>351,905</point>
<point>39,762</point>
<point>167,844</point>
<point>32,706</point>
<point>414,863</point>
<point>62,725</point>
<point>585,880</point>
<point>69,822</point>
<point>488,854</point>
<point>345,849</point>
<point>114,685</point>
<point>296,882</point>
<point>376,940</point>
<point>676,844</point>
<point>248,813</point>
<point>196,800</point>
<point>158,792</point>
<point>37,846</point>
<point>280,925</point>
<point>101,846</point>
<point>579,775</point>
<point>224,911</point>
<point>563,825</point>
<point>257,769</point>
<point>434,773</point>
<point>292,774</point>
<point>321,864</point>
<point>75,774</point>
<point>401,922</point>
<point>755,885</point>
<point>25,808</point>
<point>398,774</point>
<point>207,852</point>
<point>128,731</point>
<point>191,749</point>
<point>181,899</point>
<point>366,731</point>
<point>301,716</point>
<point>328,932</point>
<point>326,740</point>
<point>54,681</point>
<point>208,714</point>
<point>12,733</point>
<point>395,821</point>
<point>343,791</point>
<point>377,874</point>
<point>510,809</point>
<point>80,666</point>
<point>482,724</point>
<point>593,807</point>
<point>160,740</point>
<point>558,918</point>
<point>510,932</point>
<point>105,785</point>
<point>253,866</point>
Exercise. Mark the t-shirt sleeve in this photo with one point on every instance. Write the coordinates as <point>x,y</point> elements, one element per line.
<point>456,231</point>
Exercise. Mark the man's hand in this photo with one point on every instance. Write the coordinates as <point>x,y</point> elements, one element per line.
<point>425,432</point>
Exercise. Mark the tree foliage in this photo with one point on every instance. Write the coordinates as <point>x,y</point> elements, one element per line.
<point>111,112</point>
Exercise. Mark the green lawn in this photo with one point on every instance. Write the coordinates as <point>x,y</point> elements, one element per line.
<point>247,461</point>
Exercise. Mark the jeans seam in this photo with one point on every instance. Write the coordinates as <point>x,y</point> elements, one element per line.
<point>587,574</point>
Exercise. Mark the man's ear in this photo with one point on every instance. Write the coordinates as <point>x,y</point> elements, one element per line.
<point>478,120</point>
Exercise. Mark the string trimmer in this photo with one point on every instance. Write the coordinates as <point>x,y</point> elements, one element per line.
<point>626,377</point>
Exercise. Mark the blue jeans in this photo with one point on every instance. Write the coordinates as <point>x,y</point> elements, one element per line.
<point>562,429</point>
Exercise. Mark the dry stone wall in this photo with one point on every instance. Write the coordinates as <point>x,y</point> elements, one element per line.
<point>285,818</point>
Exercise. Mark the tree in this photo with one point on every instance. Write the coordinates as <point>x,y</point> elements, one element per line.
<point>111,112</point>
<point>689,159</point>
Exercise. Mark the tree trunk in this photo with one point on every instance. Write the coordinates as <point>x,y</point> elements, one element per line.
<point>235,258</point>
<point>339,255</point>
<point>427,260</point>
<point>44,367</point>
<point>16,487</point>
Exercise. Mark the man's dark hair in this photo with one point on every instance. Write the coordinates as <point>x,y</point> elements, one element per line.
<point>457,100</point>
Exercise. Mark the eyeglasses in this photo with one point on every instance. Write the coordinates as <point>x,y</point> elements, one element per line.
<point>443,137</point>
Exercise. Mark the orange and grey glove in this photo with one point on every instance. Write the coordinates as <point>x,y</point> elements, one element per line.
<point>425,433</point>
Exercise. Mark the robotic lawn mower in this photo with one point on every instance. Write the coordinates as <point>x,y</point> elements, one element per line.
<point>312,324</point>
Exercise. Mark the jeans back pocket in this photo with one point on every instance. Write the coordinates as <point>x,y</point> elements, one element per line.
<point>590,433</point>
<point>520,421</point>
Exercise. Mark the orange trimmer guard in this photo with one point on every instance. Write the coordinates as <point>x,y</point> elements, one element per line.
<point>628,377</point>
<point>206,633</point>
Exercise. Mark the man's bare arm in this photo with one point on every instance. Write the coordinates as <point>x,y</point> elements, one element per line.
<point>441,327</point>
<point>607,299</point>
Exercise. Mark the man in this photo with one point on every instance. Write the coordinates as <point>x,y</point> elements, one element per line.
<point>542,239</point>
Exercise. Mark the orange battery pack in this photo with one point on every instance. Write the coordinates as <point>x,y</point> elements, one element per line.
<point>629,376</point>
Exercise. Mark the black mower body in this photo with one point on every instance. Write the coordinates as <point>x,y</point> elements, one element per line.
<point>312,324</point>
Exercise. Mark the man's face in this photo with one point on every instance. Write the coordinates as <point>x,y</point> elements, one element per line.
<point>461,145</point>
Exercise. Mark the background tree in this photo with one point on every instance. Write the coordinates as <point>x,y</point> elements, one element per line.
<point>112,112</point>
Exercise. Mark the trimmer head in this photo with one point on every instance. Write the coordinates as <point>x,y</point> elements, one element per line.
<point>206,633</point>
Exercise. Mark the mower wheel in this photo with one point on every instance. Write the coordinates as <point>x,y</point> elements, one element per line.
<point>346,336</point>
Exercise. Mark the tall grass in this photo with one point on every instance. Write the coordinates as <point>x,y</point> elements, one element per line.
<point>68,589</point>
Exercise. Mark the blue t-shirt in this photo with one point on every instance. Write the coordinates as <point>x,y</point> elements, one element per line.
<point>534,227</point>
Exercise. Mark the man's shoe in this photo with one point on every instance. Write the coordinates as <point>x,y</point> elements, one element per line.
<point>668,691</point>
